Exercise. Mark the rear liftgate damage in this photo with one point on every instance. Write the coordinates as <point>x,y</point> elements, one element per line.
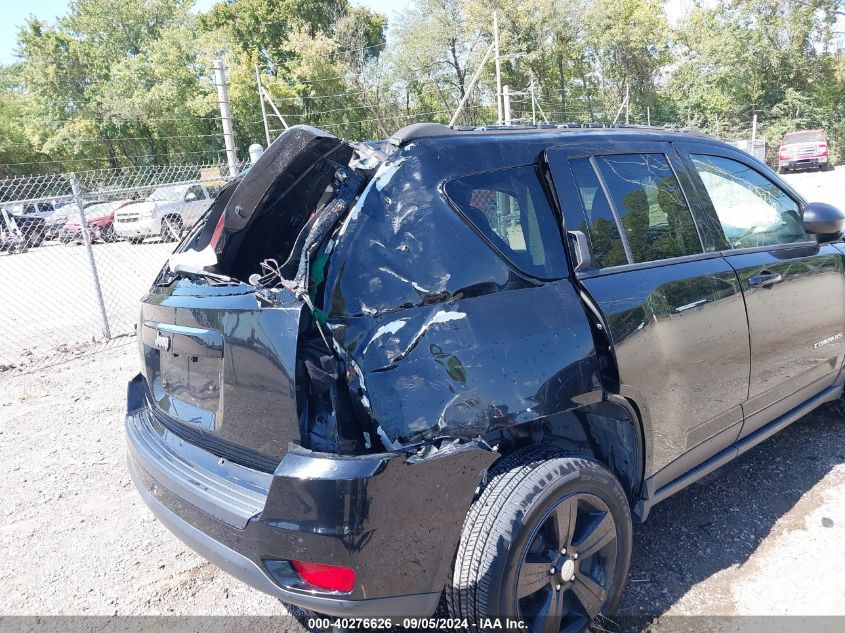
<point>277,228</point>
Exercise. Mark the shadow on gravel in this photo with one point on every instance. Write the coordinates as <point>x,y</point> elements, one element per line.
<point>721,520</point>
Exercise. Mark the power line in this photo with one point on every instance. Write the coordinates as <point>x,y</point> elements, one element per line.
<point>128,138</point>
<point>133,120</point>
<point>104,160</point>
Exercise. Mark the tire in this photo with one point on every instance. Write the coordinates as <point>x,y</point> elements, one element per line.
<point>837,407</point>
<point>35,240</point>
<point>171,228</point>
<point>108,235</point>
<point>522,526</point>
<point>135,240</point>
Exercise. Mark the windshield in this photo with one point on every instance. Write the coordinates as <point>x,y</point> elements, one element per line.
<point>803,137</point>
<point>97,210</point>
<point>168,193</point>
<point>64,211</point>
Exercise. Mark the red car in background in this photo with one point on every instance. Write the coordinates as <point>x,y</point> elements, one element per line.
<point>99,220</point>
<point>802,150</point>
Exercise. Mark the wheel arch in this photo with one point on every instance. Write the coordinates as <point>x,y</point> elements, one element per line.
<point>609,432</point>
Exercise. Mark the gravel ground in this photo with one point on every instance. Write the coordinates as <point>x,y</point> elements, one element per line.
<point>820,186</point>
<point>762,536</point>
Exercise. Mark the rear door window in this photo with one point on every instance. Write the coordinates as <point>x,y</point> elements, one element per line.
<point>511,209</point>
<point>606,246</point>
<point>650,204</point>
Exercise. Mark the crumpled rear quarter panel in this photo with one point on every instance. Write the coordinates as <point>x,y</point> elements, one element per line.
<point>450,340</point>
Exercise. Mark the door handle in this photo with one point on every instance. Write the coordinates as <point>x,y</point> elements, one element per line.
<point>764,280</point>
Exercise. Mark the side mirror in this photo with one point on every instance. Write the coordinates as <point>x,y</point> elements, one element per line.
<point>824,220</point>
<point>580,250</point>
<point>190,196</point>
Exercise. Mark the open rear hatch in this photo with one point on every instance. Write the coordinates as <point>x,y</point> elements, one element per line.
<point>221,334</point>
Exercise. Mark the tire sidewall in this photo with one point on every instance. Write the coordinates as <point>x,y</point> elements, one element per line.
<point>561,482</point>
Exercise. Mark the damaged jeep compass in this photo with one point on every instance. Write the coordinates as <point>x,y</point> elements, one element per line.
<point>454,364</point>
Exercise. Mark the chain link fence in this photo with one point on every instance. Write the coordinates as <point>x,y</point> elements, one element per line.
<point>77,252</point>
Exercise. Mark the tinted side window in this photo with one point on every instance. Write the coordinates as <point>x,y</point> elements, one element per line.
<point>606,247</point>
<point>752,209</point>
<point>199,194</point>
<point>510,208</point>
<point>651,206</point>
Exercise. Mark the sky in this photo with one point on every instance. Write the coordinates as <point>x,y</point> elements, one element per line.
<point>16,12</point>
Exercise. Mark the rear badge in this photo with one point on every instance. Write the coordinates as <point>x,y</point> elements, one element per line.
<point>827,340</point>
<point>163,342</point>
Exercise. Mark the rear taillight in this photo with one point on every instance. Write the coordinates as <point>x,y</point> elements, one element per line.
<point>823,149</point>
<point>218,230</point>
<point>326,576</point>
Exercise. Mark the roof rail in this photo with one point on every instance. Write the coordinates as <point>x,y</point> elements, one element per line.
<point>416,131</point>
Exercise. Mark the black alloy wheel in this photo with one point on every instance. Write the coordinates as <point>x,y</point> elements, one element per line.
<point>565,572</point>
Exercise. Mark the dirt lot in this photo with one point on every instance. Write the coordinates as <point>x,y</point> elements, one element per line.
<point>762,536</point>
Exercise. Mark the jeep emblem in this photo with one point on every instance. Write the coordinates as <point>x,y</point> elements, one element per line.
<point>162,342</point>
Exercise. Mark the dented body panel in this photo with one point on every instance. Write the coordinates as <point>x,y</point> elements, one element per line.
<point>427,310</point>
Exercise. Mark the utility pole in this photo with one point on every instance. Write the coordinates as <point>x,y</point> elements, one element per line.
<point>225,115</point>
<point>753,133</point>
<point>648,114</point>
<point>627,103</point>
<point>506,98</point>
<point>499,95</point>
<point>263,107</point>
<point>533,104</point>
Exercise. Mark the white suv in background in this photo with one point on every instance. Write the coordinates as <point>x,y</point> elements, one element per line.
<point>164,213</point>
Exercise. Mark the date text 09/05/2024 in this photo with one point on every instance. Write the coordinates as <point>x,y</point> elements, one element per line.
<point>491,624</point>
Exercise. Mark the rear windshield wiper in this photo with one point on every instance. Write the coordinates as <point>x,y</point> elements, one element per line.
<point>193,271</point>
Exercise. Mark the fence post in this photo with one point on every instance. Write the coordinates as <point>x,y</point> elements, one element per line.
<point>86,238</point>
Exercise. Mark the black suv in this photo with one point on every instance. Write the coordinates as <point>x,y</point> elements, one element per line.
<point>456,362</point>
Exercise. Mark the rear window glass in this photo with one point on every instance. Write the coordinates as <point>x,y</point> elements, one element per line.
<point>648,198</point>
<point>803,137</point>
<point>511,209</point>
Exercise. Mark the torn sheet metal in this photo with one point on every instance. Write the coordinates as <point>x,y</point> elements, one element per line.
<point>415,299</point>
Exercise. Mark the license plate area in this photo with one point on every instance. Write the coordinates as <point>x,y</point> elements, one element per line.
<point>184,371</point>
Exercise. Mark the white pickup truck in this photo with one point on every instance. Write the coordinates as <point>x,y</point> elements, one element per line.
<point>165,213</point>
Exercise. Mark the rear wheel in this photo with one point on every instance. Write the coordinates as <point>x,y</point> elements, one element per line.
<point>171,228</point>
<point>136,240</point>
<point>547,542</point>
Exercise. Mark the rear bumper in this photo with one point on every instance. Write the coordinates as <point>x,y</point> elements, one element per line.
<point>247,571</point>
<point>394,521</point>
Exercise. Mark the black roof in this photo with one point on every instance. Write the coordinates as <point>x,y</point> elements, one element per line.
<point>419,131</point>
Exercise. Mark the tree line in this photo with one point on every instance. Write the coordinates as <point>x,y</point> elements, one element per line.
<point>128,82</point>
